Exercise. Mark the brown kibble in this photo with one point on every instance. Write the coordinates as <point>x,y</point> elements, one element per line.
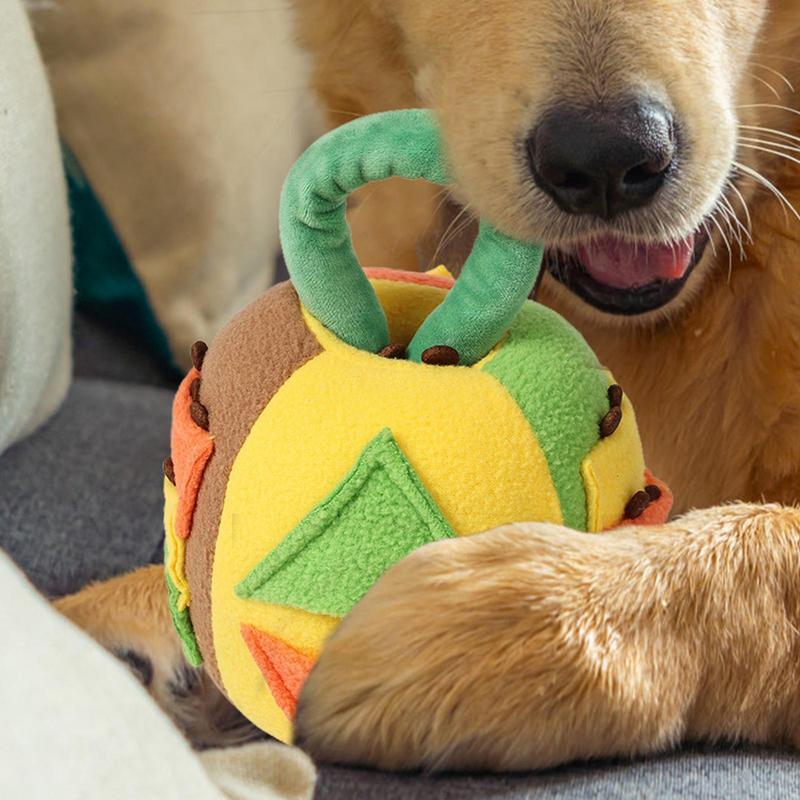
<point>653,492</point>
<point>441,355</point>
<point>637,505</point>
<point>393,351</point>
<point>610,422</point>
<point>169,470</point>
<point>194,389</point>
<point>199,414</point>
<point>199,350</point>
<point>615,396</point>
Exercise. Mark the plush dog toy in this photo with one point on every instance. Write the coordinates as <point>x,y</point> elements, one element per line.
<point>348,418</point>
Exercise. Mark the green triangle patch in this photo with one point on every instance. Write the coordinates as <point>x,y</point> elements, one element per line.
<point>379,513</point>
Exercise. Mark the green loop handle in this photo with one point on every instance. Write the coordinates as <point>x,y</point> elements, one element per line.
<point>495,281</point>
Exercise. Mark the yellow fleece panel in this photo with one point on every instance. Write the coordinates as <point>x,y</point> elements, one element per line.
<point>407,306</point>
<point>176,547</point>
<point>608,475</point>
<point>440,272</point>
<point>460,429</point>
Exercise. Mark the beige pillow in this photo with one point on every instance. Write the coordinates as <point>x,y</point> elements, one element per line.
<point>185,116</point>
<point>35,257</point>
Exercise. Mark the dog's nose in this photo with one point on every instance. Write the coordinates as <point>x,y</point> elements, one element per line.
<point>603,161</point>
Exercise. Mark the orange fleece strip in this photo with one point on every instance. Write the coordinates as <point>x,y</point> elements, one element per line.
<point>404,276</point>
<point>191,449</point>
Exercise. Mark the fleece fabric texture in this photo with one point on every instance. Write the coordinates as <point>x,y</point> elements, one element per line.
<point>35,258</point>
<point>284,668</point>
<point>185,117</point>
<point>377,515</point>
<point>612,472</point>
<point>247,364</point>
<point>191,448</point>
<point>495,281</point>
<point>364,439</point>
<point>563,398</point>
<point>178,595</point>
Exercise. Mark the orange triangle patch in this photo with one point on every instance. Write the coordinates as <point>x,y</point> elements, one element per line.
<point>284,669</point>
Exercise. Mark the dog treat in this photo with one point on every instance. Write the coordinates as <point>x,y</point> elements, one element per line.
<point>611,421</point>
<point>441,355</point>
<point>393,351</point>
<point>637,505</point>
<point>199,414</point>
<point>199,349</point>
<point>653,492</point>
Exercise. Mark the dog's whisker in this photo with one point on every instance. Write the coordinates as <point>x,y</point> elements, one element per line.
<point>776,153</point>
<point>770,186</point>
<point>743,230</point>
<point>773,131</point>
<point>713,219</point>
<point>792,148</point>
<point>704,225</point>
<point>735,189</point>
<point>772,106</point>
<point>738,230</point>
<point>775,72</point>
<point>449,233</point>
<point>767,84</point>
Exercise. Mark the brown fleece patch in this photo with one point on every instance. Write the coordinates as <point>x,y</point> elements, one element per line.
<point>247,363</point>
<point>169,470</point>
<point>194,389</point>
<point>615,396</point>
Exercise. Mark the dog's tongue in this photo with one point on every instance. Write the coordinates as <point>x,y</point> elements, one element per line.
<point>625,265</point>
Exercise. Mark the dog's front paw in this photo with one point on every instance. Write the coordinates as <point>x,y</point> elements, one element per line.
<point>504,651</point>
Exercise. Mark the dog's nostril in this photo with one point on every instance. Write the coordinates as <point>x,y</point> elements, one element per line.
<point>573,180</point>
<point>603,161</point>
<point>642,173</point>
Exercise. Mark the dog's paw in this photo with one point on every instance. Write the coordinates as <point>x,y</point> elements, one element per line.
<point>503,651</point>
<point>128,616</point>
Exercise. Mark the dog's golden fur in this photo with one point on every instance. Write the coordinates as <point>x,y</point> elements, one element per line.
<point>530,646</point>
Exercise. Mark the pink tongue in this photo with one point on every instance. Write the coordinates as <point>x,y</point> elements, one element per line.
<point>625,265</point>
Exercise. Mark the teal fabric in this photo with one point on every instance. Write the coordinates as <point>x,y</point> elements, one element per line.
<point>106,285</point>
<point>494,283</point>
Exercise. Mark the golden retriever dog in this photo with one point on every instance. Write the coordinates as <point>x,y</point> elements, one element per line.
<point>653,146</point>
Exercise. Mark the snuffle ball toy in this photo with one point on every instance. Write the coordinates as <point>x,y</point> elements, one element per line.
<point>351,416</point>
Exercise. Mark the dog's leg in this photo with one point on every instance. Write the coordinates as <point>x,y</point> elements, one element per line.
<point>531,645</point>
<point>128,615</point>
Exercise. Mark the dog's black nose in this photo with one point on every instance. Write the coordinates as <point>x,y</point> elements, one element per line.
<point>603,161</point>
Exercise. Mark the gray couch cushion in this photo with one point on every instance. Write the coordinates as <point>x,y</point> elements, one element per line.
<point>701,773</point>
<point>81,499</point>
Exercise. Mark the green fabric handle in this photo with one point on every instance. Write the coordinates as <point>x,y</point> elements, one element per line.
<point>494,283</point>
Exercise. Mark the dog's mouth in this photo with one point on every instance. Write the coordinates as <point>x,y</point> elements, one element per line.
<point>619,276</point>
